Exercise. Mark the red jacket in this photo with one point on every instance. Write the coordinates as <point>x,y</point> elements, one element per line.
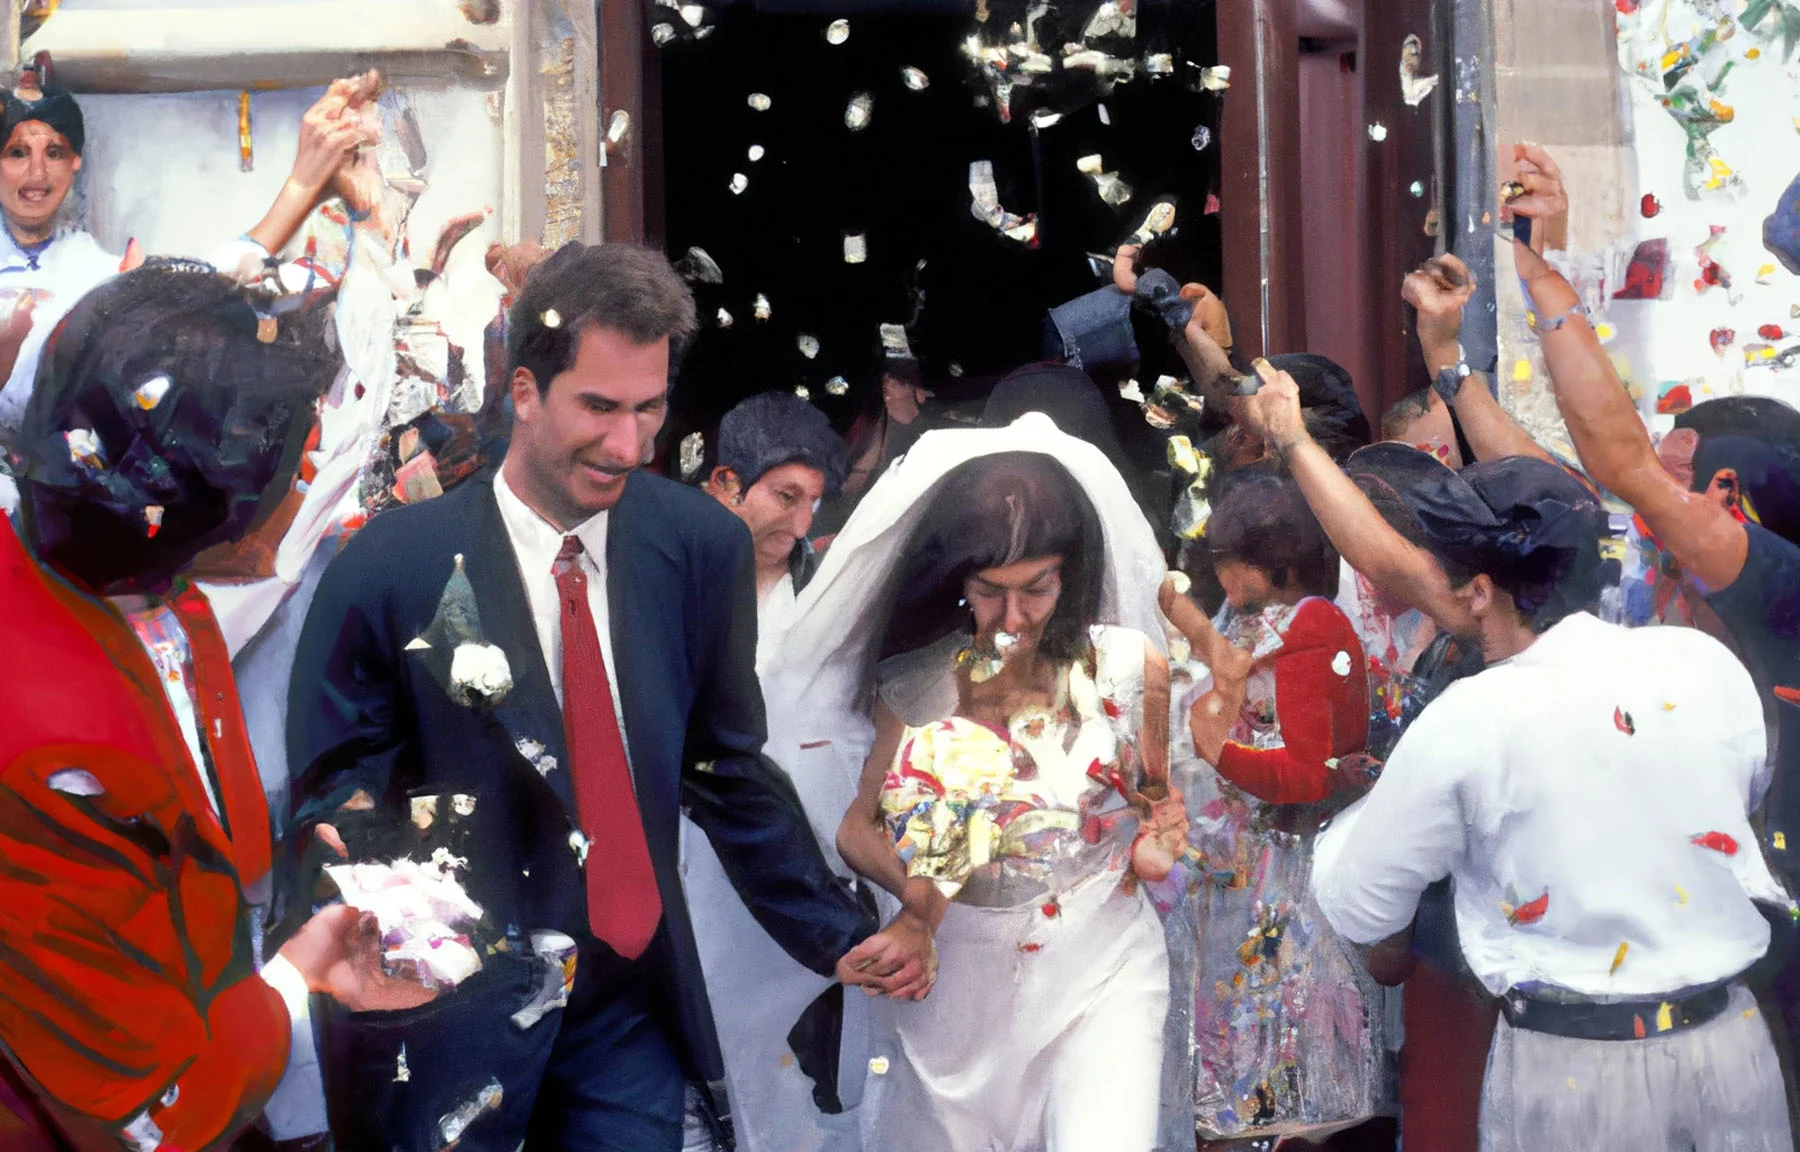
<point>1323,713</point>
<point>127,993</point>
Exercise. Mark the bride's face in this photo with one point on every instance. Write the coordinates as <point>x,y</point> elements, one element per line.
<point>1017,599</point>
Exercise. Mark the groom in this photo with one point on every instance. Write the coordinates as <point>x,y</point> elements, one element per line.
<point>567,648</point>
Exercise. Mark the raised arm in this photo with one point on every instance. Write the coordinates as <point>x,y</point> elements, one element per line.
<point>1611,440</point>
<point>1438,290</point>
<point>330,132</point>
<point>1205,345</point>
<point>1356,529</point>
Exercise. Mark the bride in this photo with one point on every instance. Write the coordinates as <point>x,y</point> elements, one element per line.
<point>976,677</point>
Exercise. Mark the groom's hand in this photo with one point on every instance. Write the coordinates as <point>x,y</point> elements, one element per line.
<point>900,960</point>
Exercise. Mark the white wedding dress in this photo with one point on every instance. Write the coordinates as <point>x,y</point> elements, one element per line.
<point>818,676</point>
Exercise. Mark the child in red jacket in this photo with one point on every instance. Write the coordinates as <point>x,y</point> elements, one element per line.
<point>1287,1024</point>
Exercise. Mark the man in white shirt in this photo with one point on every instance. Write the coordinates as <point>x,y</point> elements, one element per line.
<point>778,457</point>
<point>135,1000</point>
<point>1590,795</point>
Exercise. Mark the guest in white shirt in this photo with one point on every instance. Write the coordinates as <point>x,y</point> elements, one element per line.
<point>1589,793</point>
<point>778,458</point>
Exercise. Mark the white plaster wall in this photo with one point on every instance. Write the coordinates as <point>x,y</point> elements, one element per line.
<point>1560,83</point>
<point>165,168</point>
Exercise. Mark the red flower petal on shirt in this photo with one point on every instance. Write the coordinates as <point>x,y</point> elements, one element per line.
<point>1622,721</point>
<point>1032,946</point>
<point>1718,842</point>
<point>1052,909</point>
<point>1529,913</point>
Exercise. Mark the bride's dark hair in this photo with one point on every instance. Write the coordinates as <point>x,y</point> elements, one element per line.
<point>988,513</point>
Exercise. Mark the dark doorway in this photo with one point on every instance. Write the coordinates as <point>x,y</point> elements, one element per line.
<point>902,184</point>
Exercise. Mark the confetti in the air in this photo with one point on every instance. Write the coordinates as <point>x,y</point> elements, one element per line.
<point>1414,87</point>
<point>150,393</point>
<point>857,112</point>
<point>698,265</point>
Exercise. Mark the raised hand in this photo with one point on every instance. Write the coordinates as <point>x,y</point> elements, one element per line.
<point>1273,411</point>
<point>453,232</point>
<point>1545,199</point>
<point>330,132</point>
<point>1124,269</point>
<point>1439,289</point>
<point>511,263</point>
<point>1209,313</point>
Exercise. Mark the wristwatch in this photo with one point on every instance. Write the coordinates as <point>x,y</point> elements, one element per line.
<point>1449,381</point>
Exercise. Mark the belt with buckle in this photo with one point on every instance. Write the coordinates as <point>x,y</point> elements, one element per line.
<point>1616,1020</point>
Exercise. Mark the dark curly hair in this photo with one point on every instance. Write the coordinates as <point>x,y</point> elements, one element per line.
<point>988,513</point>
<point>169,414</point>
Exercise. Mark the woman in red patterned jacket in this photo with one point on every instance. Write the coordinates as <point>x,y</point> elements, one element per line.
<point>135,1006</point>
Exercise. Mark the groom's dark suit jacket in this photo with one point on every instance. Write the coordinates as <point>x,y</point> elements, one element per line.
<point>367,713</point>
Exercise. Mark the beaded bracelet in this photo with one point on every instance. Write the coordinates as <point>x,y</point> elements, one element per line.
<point>1556,322</point>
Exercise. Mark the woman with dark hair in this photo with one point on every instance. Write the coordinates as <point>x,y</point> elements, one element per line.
<point>985,634</point>
<point>1287,1028</point>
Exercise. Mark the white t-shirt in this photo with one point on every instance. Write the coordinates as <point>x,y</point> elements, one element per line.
<point>1590,797</point>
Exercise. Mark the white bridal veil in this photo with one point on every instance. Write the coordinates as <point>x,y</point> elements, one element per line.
<point>817,673</point>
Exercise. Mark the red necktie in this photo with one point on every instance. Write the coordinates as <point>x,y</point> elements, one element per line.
<point>623,904</point>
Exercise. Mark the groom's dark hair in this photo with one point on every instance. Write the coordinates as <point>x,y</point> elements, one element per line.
<point>988,513</point>
<point>624,287</point>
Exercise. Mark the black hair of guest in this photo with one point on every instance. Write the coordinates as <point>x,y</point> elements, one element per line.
<point>168,416</point>
<point>1762,417</point>
<point>988,513</point>
<point>1531,528</point>
<point>623,287</point>
<point>1394,476</point>
<point>1263,521</point>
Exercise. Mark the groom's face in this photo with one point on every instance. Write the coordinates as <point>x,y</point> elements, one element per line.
<point>581,438</point>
